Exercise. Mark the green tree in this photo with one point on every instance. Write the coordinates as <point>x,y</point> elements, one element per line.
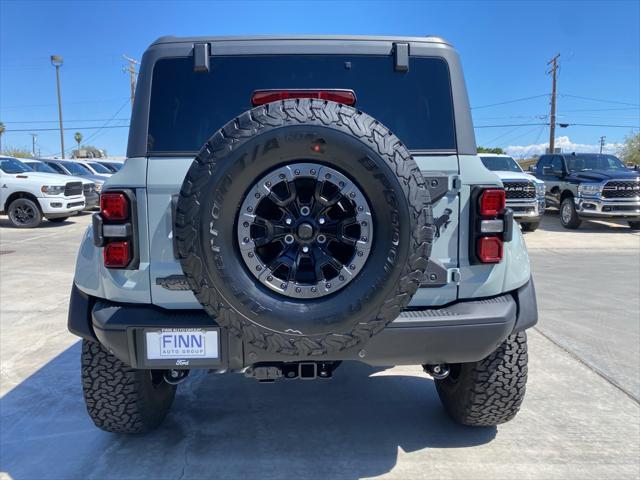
<point>17,152</point>
<point>630,153</point>
<point>78,138</point>
<point>2,129</point>
<point>496,150</point>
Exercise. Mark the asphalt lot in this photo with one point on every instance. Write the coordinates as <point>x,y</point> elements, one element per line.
<point>580,418</point>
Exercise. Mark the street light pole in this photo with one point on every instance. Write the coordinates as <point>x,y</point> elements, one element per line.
<point>34,138</point>
<point>56,61</point>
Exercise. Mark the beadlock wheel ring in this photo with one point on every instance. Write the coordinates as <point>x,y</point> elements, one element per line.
<point>325,213</point>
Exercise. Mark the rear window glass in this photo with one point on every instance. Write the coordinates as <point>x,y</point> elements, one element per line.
<point>188,107</point>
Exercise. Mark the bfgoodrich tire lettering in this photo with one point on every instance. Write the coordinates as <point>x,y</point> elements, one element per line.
<point>284,133</point>
<point>488,392</point>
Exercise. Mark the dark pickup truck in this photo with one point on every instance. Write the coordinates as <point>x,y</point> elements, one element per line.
<point>590,185</point>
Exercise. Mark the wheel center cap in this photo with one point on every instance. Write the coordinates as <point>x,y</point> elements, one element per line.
<point>305,231</point>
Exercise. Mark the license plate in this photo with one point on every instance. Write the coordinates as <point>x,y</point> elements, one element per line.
<point>177,343</point>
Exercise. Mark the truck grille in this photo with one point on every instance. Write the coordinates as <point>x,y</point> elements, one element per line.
<point>72,189</point>
<point>519,190</point>
<point>621,189</point>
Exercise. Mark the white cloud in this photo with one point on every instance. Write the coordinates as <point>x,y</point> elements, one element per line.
<point>525,151</point>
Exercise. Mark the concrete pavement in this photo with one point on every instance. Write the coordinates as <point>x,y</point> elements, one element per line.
<point>580,418</point>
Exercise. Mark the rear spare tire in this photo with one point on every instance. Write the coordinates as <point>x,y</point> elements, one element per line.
<point>304,227</point>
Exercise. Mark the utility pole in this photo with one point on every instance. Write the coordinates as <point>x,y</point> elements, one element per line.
<point>34,138</point>
<point>56,61</point>
<point>602,139</point>
<point>552,118</point>
<point>131,70</point>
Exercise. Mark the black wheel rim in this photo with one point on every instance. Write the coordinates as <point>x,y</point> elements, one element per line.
<point>305,230</point>
<point>23,214</point>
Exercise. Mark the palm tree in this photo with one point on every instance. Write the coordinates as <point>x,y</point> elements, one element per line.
<point>78,138</point>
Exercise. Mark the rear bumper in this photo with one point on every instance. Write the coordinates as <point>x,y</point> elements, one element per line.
<point>464,331</point>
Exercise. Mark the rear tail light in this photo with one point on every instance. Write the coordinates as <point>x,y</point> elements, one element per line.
<point>114,229</point>
<point>114,206</point>
<point>489,249</point>
<point>260,97</point>
<point>491,225</point>
<point>116,255</point>
<point>492,202</point>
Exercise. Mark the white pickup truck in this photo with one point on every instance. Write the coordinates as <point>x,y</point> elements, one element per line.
<point>27,196</point>
<point>524,192</point>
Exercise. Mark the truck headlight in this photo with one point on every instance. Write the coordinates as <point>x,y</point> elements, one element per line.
<point>540,189</point>
<point>98,187</point>
<point>52,189</point>
<point>589,189</point>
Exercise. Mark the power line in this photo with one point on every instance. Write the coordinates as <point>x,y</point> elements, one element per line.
<point>68,128</point>
<point>82,102</point>
<point>596,125</point>
<point>599,100</point>
<point>561,124</point>
<point>510,101</point>
<point>510,125</point>
<point>603,109</point>
<point>55,121</point>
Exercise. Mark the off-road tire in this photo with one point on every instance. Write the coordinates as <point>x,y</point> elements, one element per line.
<point>24,203</point>
<point>192,244</point>
<point>119,398</point>
<point>573,222</point>
<point>634,225</point>
<point>488,392</point>
<point>530,226</point>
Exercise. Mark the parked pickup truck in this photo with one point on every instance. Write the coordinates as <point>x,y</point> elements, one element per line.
<point>590,185</point>
<point>267,222</point>
<point>91,195</point>
<point>27,196</point>
<point>525,193</point>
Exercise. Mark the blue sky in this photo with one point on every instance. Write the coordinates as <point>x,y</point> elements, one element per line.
<point>504,48</point>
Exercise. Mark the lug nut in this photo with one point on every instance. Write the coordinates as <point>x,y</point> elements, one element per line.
<point>288,221</point>
<point>305,249</point>
<point>321,220</point>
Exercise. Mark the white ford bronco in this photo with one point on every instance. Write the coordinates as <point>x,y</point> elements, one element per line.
<point>292,203</point>
<point>27,197</point>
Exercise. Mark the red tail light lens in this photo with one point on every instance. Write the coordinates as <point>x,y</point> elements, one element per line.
<point>114,206</point>
<point>492,202</point>
<point>116,255</point>
<point>260,97</point>
<point>489,249</point>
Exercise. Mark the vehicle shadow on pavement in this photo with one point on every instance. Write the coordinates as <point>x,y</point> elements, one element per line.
<point>352,426</point>
<point>5,223</point>
<point>551,223</point>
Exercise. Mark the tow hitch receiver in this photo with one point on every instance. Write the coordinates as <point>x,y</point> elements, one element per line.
<point>268,373</point>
